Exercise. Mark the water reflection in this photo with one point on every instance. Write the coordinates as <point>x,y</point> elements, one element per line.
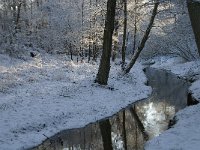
<point>118,132</point>
<point>155,116</point>
<point>169,95</point>
<point>130,128</point>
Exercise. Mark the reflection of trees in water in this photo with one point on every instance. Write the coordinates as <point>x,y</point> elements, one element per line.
<point>155,116</point>
<point>126,133</point>
<point>128,129</point>
<point>120,132</point>
<point>123,131</point>
<point>105,128</point>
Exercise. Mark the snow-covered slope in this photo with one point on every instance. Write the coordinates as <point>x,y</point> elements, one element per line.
<point>47,94</point>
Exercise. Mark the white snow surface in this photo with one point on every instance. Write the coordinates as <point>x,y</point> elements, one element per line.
<point>195,90</point>
<point>47,94</point>
<point>178,66</point>
<point>185,134</point>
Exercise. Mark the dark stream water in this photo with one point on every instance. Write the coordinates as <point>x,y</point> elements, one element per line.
<point>132,127</point>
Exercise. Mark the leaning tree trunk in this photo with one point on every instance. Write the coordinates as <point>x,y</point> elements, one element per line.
<point>144,39</point>
<point>194,13</point>
<point>104,68</point>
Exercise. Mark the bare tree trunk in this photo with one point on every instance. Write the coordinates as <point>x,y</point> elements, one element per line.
<point>71,53</point>
<point>89,53</point>
<point>144,39</point>
<point>194,12</point>
<point>124,34</point>
<point>17,27</point>
<point>95,52</point>
<point>116,27</point>
<point>104,68</point>
<point>90,34</point>
<point>135,27</point>
<point>82,23</point>
<point>115,46</point>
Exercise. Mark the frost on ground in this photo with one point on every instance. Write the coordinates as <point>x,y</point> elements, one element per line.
<point>47,94</point>
<point>185,134</point>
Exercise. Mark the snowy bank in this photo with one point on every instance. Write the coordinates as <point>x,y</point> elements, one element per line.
<point>195,90</point>
<point>185,134</point>
<point>45,95</point>
<point>187,70</point>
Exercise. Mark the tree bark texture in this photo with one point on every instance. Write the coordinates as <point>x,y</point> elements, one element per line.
<point>104,68</point>
<point>194,13</point>
<point>124,34</point>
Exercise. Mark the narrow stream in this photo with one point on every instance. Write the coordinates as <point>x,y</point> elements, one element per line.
<point>130,128</point>
<point>169,96</point>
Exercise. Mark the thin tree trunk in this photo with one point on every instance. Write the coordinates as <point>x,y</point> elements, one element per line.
<point>194,13</point>
<point>124,34</point>
<point>94,52</point>
<point>116,27</point>
<point>135,28</point>
<point>104,68</point>
<point>89,53</point>
<point>90,34</point>
<point>95,35</point>
<point>18,17</point>
<point>115,46</point>
<point>144,39</point>
<point>71,54</point>
<point>82,23</point>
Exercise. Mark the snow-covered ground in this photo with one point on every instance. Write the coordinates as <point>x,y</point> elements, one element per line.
<point>47,94</point>
<point>185,134</point>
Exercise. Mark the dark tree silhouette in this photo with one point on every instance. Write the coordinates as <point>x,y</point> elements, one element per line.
<point>194,13</point>
<point>124,34</point>
<point>104,68</point>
